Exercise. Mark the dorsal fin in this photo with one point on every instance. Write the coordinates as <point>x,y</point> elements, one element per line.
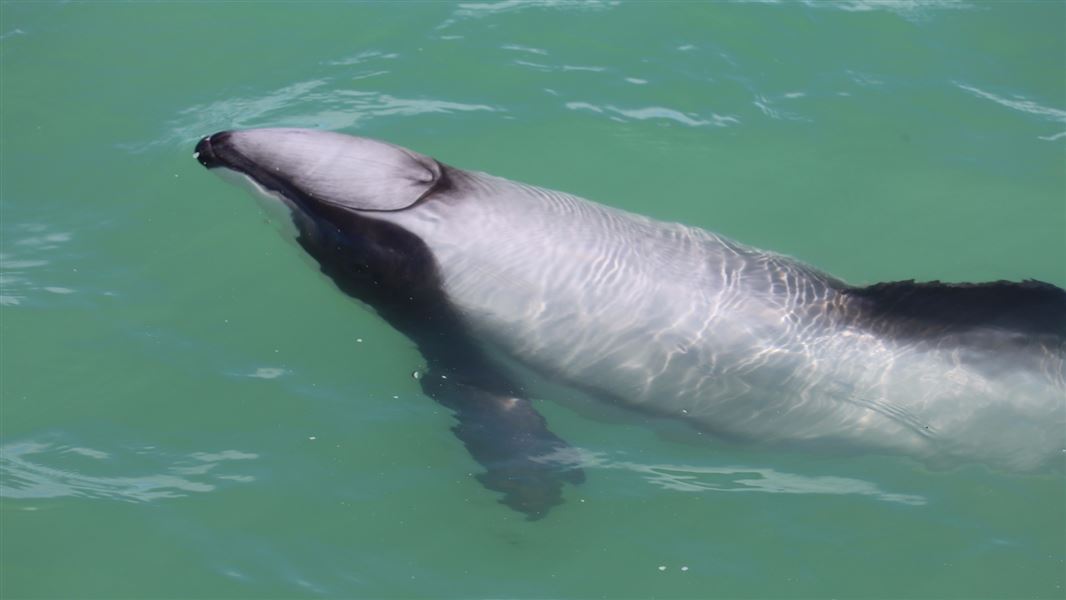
<point>1029,307</point>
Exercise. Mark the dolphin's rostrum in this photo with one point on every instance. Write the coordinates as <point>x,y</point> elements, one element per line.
<point>503,285</point>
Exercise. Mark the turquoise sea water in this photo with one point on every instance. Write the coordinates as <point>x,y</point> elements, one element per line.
<point>188,409</point>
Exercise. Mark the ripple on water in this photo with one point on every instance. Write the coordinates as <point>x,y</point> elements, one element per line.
<point>316,103</point>
<point>11,34</point>
<point>911,10</point>
<point>526,49</point>
<point>36,470</point>
<point>656,112</point>
<point>363,57</point>
<point>1023,105</point>
<point>732,478</point>
<point>27,248</point>
<point>914,10</point>
<point>476,10</point>
<point>559,68</point>
<point>267,373</point>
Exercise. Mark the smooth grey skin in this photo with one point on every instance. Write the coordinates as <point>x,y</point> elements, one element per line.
<point>502,284</point>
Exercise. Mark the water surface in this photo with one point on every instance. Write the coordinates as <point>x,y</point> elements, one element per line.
<point>190,410</point>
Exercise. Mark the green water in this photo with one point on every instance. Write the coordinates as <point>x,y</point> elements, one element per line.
<point>190,410</point>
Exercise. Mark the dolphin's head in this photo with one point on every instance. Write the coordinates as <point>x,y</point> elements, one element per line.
<point>339,191</point>
<point>320,168</point>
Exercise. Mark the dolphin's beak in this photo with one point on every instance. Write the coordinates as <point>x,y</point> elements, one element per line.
<point>205,149</point>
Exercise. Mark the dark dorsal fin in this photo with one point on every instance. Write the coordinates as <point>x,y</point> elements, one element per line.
<point>1030,307</point>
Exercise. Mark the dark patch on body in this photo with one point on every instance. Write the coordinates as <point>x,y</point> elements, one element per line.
<point>392,271</point>
<point>1029,312</point>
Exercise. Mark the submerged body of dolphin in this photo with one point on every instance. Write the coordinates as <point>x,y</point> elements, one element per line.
<point>485,274</point>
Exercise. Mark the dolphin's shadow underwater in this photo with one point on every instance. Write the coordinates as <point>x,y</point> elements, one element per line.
<point>501,285</point>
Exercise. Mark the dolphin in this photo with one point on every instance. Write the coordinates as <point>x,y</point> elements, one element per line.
<point>502,285</point>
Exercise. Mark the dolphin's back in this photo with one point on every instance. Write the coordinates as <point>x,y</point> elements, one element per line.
<point>682,322</point>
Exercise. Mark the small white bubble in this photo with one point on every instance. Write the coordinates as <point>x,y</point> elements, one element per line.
<point>662,567</point>
<point>684,568</point>
<point>416,375</point>
<point>359,340</point>
<point>312,438</point>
